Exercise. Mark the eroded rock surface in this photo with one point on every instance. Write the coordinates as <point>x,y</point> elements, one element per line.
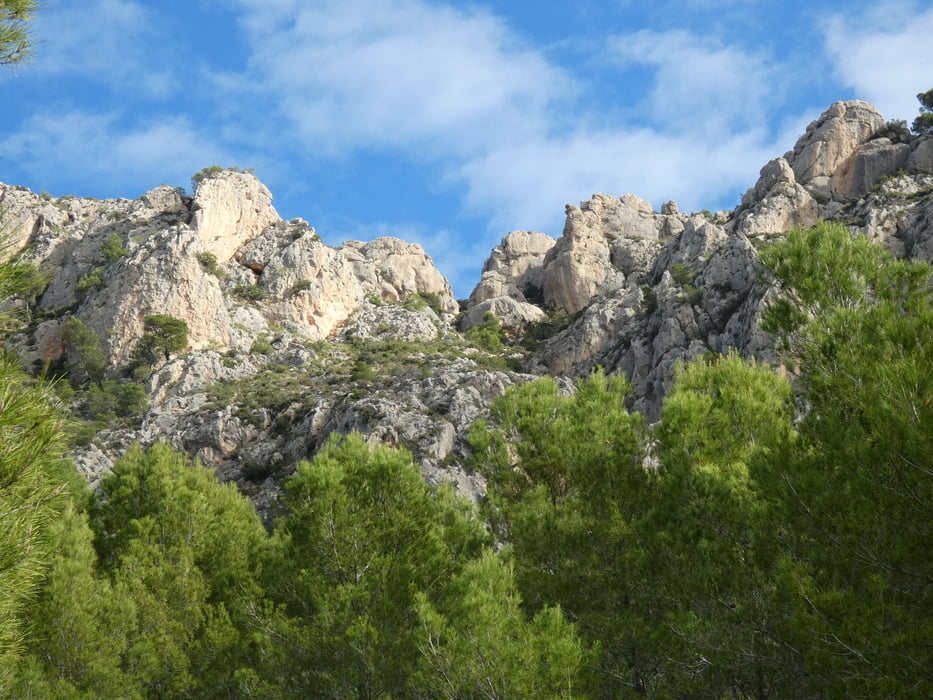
<point>291,340</point>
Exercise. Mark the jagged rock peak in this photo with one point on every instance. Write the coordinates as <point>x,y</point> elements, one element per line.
<point>231,208</point>
<point>822,158</point>
<point>513,269</point>
<point>605,241</point>
<point>832,138</point>
<point>403,268</point>
<point>223,261</point>
<point>776,203</point>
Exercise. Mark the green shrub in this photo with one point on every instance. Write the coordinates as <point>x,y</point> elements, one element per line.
<point>895,129</point>
<point>924,123</point>
<point>301,286</point>
<point>681,273</point>
<point>250,292</point>
<point>132,400</point>
<point>209,262</point>
<point>162,336</point>
<point>363,372</point>
<point>204,174</point>
<point>692,295</point>
<point>84,358</point>
<point>537,333</point>
<point>88,282</point>
<point>533,294</point>
<point>650,298</point>
<point>113,248</point>
<point>211,171</point>
<point>261,345</point>
<point>432,301</point>
<point>489,336</point>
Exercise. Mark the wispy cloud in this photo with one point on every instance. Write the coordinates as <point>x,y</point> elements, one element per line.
<point>476,113</point>
<point>884,54</point>
<point>115,42</point>
<point>525,186</point>
<point>518,133</point>
<point>99,149</point>
<point>399,73</point>
<point>701,84</point>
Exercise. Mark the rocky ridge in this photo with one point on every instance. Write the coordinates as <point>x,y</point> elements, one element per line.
<point>291,339</point>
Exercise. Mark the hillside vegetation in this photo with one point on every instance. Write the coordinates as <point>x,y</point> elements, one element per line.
<point>769,536</point>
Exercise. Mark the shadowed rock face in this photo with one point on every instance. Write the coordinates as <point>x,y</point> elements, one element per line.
<point>363,337</point>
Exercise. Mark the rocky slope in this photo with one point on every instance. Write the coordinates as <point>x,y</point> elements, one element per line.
<point>291,339</point>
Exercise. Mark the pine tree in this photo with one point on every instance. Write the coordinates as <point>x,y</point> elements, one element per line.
<point>80,624</point>
<point>185,549</point>
<point>478,642</point>
<point>858,493</point>
<point>567,488</point>
<point>32,440</point>
<point>364,537</point>
<point>711,534</point>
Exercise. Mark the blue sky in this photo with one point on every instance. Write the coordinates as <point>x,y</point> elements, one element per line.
<point>449,124</point>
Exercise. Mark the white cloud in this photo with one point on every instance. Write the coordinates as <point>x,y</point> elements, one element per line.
<point>95,147</point>
<point>109,41</point>
<point>524,186</point>
<point>701,85</point>
<point>884,55</point>
<point>487,114</point>
<point>404,73</point>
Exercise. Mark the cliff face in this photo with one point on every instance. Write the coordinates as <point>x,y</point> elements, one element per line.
<point>649,289</point>
<point>291,339</point>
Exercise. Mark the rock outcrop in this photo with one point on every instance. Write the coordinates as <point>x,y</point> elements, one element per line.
<point>776,203</point>
<point>514,268</point>
<point>599,232</point>
<point>230,209</point>
<point>823,157</point>
<point>291,339</point>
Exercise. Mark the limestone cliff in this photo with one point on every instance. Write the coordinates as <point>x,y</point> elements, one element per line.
<point>291,339</point>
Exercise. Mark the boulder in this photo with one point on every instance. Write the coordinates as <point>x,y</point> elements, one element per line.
<point>921,157</point>
<point>579,266</point>
<point>390,322</point>
<point>407,269</point>
<point>312,287</point>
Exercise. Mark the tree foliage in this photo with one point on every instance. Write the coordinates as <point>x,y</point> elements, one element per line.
<point>32,440</point>
<point>162,336</point>
<point>85,359</point>
<point>363,537</point>
<point>768,537</point>
<point>21,282</point>
<point>861,486</point>
<point>153,599</point>
<point>566,488</point>
<point>924,123</point>
<point>15,41</point>
<point>113,248</point>
<point>479,644</point>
